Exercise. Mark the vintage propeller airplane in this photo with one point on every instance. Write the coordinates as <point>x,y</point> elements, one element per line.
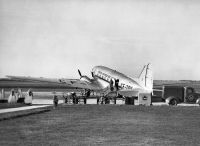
<point>103,79</point>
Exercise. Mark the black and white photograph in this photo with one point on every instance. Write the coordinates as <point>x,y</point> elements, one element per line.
<point>99,72</point>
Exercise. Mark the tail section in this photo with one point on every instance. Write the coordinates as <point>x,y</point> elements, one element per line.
<point>146,77</point>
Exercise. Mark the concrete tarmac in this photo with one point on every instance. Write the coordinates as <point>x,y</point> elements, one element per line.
<point>21,108</point>
<point>39,103</point>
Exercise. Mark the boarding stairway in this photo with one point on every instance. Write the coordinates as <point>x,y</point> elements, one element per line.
<point>108,93</point>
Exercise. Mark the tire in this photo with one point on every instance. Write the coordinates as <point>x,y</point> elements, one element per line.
<point>174,102</point>
<point>198,101</point>
<point>190,99</point>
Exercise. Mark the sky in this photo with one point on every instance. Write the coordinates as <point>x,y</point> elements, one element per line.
<point>54,38</point>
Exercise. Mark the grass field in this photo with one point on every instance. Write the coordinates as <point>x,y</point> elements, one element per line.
<point>105,125</point>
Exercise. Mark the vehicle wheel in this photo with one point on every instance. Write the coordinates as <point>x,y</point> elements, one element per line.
<point>173,102</point>
<point>198,101</point>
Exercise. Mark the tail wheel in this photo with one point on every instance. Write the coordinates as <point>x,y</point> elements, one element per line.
<point>190,98</point>
<point>173,102</point>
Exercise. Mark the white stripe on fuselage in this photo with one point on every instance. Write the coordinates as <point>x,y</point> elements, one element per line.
<point>106,74</point>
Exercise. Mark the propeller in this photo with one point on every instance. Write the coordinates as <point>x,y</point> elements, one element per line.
<point>79,72</point>
<point>83,77</point>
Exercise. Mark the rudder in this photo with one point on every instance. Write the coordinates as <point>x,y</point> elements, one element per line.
<point>146,77</point>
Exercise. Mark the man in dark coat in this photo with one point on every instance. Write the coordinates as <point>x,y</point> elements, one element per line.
<point>55,100</point>
<point>117,84</point>
<point>111,85</point>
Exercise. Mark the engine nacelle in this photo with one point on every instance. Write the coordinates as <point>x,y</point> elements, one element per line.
<point>85,78</point>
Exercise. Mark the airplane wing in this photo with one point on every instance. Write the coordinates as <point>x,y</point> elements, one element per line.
<point>76,83</point>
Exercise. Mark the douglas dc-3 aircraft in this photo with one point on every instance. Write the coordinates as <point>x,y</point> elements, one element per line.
<point>103,79</point>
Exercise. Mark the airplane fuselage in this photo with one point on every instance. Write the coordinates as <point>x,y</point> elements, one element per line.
<point>105,74</point>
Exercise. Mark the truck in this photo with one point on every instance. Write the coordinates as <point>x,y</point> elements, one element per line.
<point>173,95</point>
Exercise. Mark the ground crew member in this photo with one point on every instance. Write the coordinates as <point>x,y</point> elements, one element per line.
<point>65,98</point>
<point>85,99</point>
<point>111,85</point>
<point>115,99</point>
<point>97,100</point>
<point>101,100</point>
<point>55,100</point>
<point>74,98</point>
<point>77,99</point>
<point>88,93</point>
<point>117,84</point>
<point>106,100</point>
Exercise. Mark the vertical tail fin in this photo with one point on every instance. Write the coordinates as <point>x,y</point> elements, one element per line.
<point>146,77</point>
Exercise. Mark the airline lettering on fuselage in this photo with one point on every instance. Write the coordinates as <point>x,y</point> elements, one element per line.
<point>104,76</point>
<point>126,86</point>
<point>108,78</point>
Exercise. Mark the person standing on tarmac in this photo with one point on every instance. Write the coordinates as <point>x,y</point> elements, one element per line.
<point>55,101</point>
<point>101,100</point>
<point>117,84</point>
<point>74,98</point>
<point>111,85</point>
<point>65,98</point>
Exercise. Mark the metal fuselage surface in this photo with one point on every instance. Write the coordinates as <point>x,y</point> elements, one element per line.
<point>104,76</point>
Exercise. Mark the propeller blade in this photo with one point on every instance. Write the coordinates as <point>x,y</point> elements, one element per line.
<point>79,73</point>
